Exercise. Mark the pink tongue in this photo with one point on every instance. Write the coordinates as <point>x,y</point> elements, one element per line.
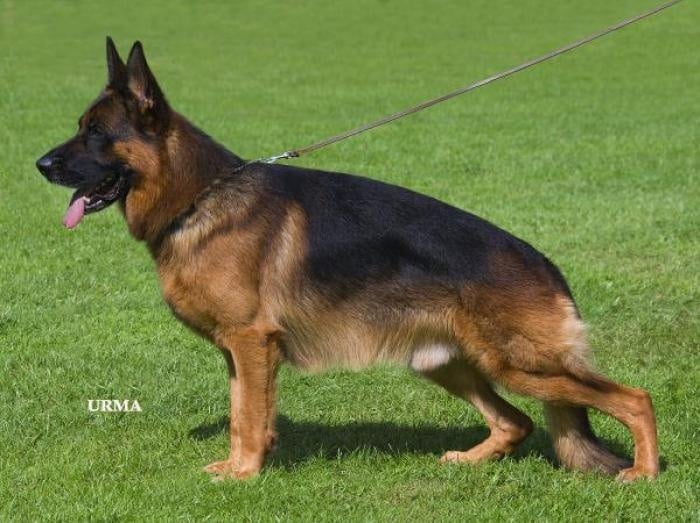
<point>75,213</point>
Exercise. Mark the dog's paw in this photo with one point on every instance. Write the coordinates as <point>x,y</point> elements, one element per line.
<point>478,454</point>
<point>451,456</point>
<point>635,473</point>
<point>228,469</point>
<point>220,467</point>
<point>245,473</point>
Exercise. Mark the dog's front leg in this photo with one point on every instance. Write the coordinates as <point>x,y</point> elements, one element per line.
<point>220,467</point>
<point>255,355</point>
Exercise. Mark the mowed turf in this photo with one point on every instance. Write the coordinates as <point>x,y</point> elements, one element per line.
<point>592,158</point>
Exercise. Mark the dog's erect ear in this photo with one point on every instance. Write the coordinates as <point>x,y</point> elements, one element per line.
<point>143,85</point>
<point>116,70</point>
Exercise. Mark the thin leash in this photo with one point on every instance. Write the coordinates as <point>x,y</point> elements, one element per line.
<point>295,153</point>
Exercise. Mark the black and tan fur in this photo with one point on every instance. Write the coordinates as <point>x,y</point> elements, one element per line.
<point>277,264</point>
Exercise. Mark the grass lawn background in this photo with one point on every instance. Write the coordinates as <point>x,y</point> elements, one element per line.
<point>592,158</point>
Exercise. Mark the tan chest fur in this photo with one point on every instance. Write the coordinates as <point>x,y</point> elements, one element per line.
<point>213,285</point>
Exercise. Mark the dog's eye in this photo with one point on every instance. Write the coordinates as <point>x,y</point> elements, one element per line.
<point>94,129</point>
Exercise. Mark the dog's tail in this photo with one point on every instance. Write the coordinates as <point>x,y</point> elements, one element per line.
<point>575,443</point>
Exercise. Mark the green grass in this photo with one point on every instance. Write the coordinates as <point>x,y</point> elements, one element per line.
<point>592,157</point>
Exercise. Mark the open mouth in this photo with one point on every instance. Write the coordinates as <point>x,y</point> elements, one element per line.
<point>93,199</point>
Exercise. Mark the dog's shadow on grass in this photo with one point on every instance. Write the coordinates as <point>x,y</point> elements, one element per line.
<point>300,441</point>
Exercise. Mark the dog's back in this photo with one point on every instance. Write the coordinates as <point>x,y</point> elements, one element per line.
<point>360,230</point>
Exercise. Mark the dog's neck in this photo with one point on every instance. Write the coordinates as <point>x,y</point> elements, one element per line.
<point>170,178</point>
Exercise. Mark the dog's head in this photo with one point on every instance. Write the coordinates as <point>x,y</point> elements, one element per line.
<point>101,160</point>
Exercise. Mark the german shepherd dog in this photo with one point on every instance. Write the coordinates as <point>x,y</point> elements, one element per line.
<point>274,263</point>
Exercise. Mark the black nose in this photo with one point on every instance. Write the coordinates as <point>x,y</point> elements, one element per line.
<point>46,163</point>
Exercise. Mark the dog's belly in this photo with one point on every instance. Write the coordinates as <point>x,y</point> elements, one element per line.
<point>355,345</point>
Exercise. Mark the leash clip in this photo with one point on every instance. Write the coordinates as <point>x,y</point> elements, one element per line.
<point>268,159</point>
<point>273,159</point>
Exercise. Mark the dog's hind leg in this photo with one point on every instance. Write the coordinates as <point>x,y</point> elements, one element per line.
<point>533,342</point>
<point>632,407</point>
<point>508,425</point>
